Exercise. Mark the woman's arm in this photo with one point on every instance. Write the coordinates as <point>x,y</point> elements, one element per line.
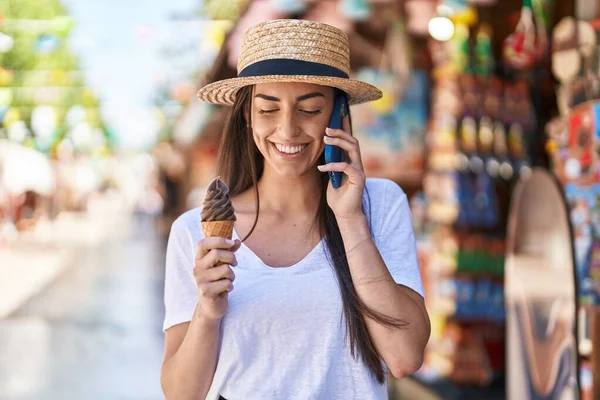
<point>401,349</point>
<point>196,287</point>
<point>190,359</point>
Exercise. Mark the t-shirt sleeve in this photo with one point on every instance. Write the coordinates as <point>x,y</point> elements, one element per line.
<point>181,294</point>
<point>395,239</point>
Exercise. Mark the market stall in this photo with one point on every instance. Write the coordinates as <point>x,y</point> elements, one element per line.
<point>492,95</point>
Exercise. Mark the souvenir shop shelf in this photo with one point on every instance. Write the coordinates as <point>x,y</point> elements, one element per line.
<point>477,142</point>
<point>484,134</point>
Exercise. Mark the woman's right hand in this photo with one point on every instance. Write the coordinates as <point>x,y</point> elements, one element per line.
<point>214,276</point>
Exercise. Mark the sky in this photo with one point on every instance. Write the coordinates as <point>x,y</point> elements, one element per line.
<point>119,43</point>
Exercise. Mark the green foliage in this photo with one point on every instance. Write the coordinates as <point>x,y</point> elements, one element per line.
<point>32,9</point>
<point>48,76</point>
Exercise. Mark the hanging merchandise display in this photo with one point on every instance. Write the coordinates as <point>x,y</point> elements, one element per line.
<point>527,45</point>
<point>391,130</point>
<point>459,11</point>
<point>478,135</point>
<point>464,308</point>
<point>573,148</point>
<point>543,10</point>
<point>573,53</point>
<point>483,61</point>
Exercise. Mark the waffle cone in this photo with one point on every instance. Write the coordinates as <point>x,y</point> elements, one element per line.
<point>222,229</point>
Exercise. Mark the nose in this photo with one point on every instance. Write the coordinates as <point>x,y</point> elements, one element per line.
<point>288,125</point>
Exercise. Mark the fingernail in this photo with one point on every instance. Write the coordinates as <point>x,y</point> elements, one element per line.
<point>326,138</point>
<point>320,166</point>
<point>229,242</point>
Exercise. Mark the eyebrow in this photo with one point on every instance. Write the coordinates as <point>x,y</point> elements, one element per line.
<point>300,98</point>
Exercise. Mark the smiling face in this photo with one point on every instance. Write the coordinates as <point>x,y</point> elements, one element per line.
<point>288,124</point>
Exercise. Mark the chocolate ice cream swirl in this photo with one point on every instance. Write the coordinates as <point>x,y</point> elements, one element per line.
<point>217,204</point>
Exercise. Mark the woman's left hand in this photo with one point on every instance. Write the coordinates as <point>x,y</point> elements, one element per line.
<point>346,201</point>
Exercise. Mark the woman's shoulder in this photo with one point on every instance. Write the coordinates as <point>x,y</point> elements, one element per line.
<point>381,191</point>
<point>382,197</point>
<point>380,183</point>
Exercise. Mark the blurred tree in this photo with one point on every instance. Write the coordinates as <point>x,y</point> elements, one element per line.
<point>40,69</point>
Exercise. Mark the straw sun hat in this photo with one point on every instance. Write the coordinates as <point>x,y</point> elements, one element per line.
<point>291,50</point>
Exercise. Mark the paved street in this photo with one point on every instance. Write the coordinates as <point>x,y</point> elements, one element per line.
<point>95,332</point>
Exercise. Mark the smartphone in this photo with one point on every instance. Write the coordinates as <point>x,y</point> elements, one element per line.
<point>334,153</point>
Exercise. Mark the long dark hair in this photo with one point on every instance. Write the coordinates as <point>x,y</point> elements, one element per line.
<point>240,166</point>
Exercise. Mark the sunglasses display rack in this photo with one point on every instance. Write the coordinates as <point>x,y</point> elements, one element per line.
<point>573,146</point>
<point>477,141</point>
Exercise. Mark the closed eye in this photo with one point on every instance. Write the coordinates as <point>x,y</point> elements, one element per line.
<point>267,112</point>
<point>307,112</point>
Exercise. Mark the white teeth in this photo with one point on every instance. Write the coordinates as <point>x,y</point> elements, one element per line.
<point>290,149</point>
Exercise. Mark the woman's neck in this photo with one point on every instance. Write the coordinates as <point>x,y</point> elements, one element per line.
<point>287,196</point>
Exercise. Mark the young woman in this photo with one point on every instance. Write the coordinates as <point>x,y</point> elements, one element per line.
<point>328,295</point>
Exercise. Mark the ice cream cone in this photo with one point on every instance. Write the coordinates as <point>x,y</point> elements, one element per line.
<point>222,229</point>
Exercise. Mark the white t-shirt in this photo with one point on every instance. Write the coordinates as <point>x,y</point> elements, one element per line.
<point>284,335</point>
